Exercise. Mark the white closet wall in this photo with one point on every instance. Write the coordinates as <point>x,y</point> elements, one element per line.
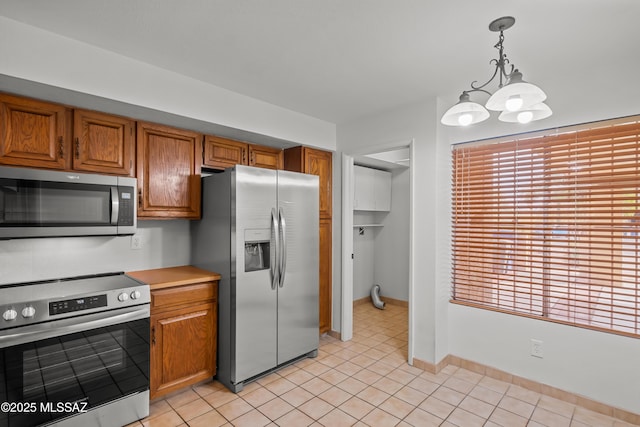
<point>381,245</point>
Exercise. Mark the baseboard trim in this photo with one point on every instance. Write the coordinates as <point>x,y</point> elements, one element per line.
<point>576,399</point>
<point>335,335</point>
<point>361,301</point>
<point>388,300</point>
<point>393,301</point>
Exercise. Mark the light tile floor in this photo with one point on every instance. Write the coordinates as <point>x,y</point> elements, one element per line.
<point>367,382</point>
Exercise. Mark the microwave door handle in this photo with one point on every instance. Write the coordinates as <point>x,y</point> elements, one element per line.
<point>115,205</point>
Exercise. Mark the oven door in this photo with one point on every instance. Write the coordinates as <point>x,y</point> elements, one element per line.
<point>60,369</point>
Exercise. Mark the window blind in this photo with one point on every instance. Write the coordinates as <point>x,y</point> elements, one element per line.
<point>547,226</point>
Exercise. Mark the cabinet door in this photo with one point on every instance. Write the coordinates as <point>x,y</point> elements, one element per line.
<point>325,294</point>
<point>34,133</point>
<point>265,157</point>
<point>318,162</point>
<point>371,189</point>
<point>382,190</point>
<point>103,143</point>
<point>363,189</point>
<point>183,344</point>
<point>222,153</point>
<point>168,174</point>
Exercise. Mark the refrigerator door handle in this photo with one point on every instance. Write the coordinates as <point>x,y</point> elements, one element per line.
<point>275,277</point>
<point>283,248</point>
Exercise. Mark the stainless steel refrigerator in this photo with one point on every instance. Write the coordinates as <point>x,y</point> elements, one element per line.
<point>259,230</point>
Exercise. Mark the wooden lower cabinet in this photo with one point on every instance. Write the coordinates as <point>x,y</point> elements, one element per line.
<point>183,336</point>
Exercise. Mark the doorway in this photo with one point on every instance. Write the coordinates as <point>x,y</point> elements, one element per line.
<point>396,156</point>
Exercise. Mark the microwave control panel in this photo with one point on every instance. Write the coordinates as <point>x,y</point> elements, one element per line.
<point>127,205</point>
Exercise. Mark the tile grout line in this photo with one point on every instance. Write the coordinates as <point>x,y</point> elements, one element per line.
<point>376,338</point>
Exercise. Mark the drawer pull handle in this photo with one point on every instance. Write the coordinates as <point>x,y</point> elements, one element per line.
<point>61,147</point>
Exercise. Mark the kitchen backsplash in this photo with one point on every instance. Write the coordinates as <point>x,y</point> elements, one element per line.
<point>163,244</point>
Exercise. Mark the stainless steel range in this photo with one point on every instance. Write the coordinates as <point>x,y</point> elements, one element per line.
<point>74,352</point>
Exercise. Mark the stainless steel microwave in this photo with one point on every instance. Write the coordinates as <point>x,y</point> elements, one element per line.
<point>44,203</point>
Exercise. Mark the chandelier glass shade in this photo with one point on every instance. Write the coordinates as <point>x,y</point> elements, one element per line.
<point>525,115</point>
<point>517,100</point>
<point>465,113</point>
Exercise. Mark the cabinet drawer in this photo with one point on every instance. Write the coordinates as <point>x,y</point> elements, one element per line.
<point>179,295</point>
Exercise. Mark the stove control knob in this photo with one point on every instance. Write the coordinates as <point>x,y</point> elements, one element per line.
<point>123,297</point>
<point>135,294</point>
<point>10,314</point>
<point>28,311</point>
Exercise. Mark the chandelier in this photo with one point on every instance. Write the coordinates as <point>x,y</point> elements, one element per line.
<point>517,100</point>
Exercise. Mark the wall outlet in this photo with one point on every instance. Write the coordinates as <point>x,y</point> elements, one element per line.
<point>136,241</point>
<point>536,348</point>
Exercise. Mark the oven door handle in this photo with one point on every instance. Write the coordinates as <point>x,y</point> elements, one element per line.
<point>56,328</point>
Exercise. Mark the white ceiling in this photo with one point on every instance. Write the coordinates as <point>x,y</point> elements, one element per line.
<point>338,60</point>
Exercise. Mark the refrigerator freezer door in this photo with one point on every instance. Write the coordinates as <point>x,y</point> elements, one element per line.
<point>298,294</point>
<point>254,334</point>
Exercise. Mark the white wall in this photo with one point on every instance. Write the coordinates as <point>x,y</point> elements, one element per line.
<point>40,56</point>
<point>364,250</point>
<point>165,244</point>
<point>597,365</point>
<point>382,253</point>
<point>412,122</point>
<point>391,262</point>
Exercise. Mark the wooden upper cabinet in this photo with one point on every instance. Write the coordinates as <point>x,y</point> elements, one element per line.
<point>265,157</point>
<point>314,162</point>
<point>103,143</point>
<point>222,153</point>
<point>34,133</point>
<point>168,172</point>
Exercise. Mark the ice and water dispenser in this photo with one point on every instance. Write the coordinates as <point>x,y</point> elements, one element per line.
<point>257,255</point>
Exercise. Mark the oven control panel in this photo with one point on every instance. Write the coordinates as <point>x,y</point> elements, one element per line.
<point>20,313</point>
<point>29,303</point>
<point>77,304</point>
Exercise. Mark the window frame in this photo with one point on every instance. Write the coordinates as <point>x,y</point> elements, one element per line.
<point>541,294</point>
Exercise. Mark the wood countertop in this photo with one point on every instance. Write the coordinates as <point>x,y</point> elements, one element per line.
<point>159,278</point>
